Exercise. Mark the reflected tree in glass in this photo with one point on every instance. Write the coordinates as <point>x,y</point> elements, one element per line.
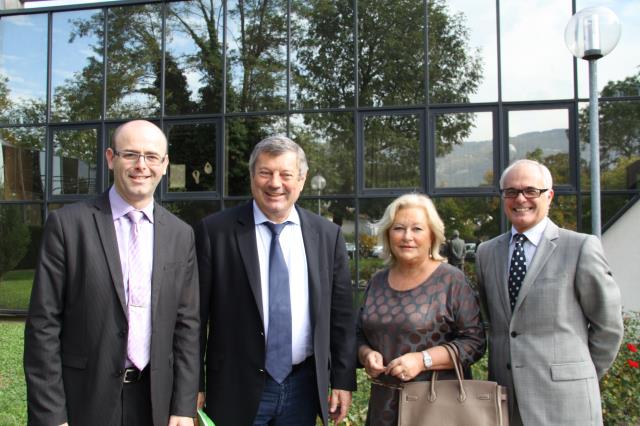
<point>257,55</point>
<point>192,154</point>
<point>74,162</point>
<point>22,163</point>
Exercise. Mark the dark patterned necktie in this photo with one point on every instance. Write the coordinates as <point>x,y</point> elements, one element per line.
<point>517,270</point>
<point>278,362</point>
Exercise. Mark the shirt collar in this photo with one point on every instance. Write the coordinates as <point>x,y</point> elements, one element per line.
<point>259,217</point>
<point>534,234</point>
<point>119,207</point>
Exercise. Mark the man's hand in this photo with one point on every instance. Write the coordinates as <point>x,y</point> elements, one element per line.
<point>339,403</point>
<point>180,421</point>
<point>200,403</point>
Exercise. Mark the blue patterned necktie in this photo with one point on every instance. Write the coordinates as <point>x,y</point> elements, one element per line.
<point>278,361</point>
<point>517,270</point>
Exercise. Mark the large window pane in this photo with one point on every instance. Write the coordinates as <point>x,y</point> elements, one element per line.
<point>328,142</point>
<point>20,231</point>
<point>134,60</point>
<point>322,54</point>
<point>22,160</point>
<point>193,59</point>
<point>462,51</point>
<point>192,155</point>
<point>618,73</point>
<point>242,134</point>
<point>536,64</point>
<point>192,211</point>
<point>464,149</point>
<point>257,39</point>
<point>77,65</point>
<point>541,135</point>
<point>74,161</point>
<point>619,144</point>
<point>391,151</point>
<point>391,52</point>
<point>369,244</point>
<point>563,211</point>
<point>23,68</point>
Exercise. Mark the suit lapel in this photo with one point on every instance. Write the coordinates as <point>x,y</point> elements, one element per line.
<point>500,261</point>
<point>107,235</point>
<point>543,252</point>
<point>246,239</point>
<point>310,238</point>
<point>160,239</point>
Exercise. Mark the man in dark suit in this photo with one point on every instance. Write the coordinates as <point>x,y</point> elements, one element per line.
<point>317,346</point>
<point>113,326</point>
<point>553,308</point>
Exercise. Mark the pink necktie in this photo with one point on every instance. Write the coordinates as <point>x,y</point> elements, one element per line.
<point>139,340</point>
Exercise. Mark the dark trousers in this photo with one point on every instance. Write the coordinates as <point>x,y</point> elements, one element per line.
<point>135,407</point>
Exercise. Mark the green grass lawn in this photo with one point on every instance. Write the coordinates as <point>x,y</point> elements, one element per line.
<point>15,289</point>
<point>13,391</point>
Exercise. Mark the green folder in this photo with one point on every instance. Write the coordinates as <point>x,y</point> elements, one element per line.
<point>203,419</point>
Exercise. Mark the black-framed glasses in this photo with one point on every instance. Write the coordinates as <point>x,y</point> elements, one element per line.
<point>528,192</point>
<point>150,159</point>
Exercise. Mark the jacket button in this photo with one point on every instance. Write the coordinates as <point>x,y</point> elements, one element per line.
<point>122,333</point>
<point>119,373</point>
<point>260,370</point>
<point>514,334</point>
<point>508,366</point>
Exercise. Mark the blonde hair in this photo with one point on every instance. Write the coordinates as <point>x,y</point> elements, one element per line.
<point>436,226</point>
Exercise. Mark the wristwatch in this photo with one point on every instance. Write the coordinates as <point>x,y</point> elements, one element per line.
<point>426,358</point>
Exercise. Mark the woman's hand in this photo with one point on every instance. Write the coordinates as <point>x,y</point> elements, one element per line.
<point>406,367</point>
<point>373,363</point>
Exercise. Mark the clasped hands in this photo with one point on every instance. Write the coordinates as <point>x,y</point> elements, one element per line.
<point>405,367</point>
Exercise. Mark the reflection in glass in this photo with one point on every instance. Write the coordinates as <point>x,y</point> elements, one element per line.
<point>474,20</point>
<point>20,230</point>
<point>619,144</point>
<point>192,211</point>
<point>23,68</point>
<point>536,64</point>
<point>22,160</point>
<point>541,135</point>
<point>74,161</point>
<point>391,52</point>
<point>475,218</point>
<point>77,65</point>
<point>257,38</point>
<point>369,247</point>
<point>134,60</point>
<point>464,157</point>
<point>193,58</point>
<point>563,211</point>
<point>242,134</point>
<point>322,47</point>
<point>192,157</point>
<point>618,74</point>
<point>327,140</point>
<point>391,151</point>
<point>455,67</point>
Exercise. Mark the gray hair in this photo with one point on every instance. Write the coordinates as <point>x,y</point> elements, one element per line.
<point>544,171</point>
<point>275,146</point>
<point>436,226</point>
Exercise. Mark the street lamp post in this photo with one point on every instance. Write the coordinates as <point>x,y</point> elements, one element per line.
<point>591,34</point>
<point>318,183</point>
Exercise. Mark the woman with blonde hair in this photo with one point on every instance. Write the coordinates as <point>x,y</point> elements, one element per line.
<point>413,306</point>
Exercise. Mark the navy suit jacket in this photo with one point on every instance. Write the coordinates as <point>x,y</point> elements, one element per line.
<point>232,339</point>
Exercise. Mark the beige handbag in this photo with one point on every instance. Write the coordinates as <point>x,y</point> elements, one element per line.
<point>453,402</point>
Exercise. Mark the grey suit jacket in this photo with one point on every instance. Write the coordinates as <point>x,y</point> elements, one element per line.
<point>232,340</point>
<point>76,331</point>
<point>565,330</point>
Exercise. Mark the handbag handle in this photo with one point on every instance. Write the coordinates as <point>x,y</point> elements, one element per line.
<point>457,366</point>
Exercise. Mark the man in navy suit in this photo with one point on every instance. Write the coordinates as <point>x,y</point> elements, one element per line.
<point>233,249</point>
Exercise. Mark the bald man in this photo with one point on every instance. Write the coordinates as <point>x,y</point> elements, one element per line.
<point>113,326</point>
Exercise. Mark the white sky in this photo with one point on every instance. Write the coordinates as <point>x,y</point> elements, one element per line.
<point>49,3</point>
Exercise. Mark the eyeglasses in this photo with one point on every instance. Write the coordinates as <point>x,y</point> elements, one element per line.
<point>150,159</point>
<point>527,192</point>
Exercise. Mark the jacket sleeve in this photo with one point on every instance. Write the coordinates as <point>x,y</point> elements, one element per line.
<point>46,401</point>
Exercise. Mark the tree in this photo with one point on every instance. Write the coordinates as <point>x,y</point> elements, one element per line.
<point>15,237</point>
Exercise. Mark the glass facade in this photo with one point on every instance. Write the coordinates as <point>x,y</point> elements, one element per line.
<point>385,97</point>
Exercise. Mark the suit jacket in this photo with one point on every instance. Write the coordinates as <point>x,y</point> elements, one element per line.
<point>233,350</point>
<point>76,331</point>
<point>565,330</point>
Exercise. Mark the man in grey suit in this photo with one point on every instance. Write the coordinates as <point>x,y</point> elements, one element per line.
<point>242,327</point>
<point>554,310</point>
<point>112,335</point>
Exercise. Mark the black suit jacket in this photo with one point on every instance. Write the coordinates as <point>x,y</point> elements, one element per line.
<point>233,350</point>
<point>76,331</point>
